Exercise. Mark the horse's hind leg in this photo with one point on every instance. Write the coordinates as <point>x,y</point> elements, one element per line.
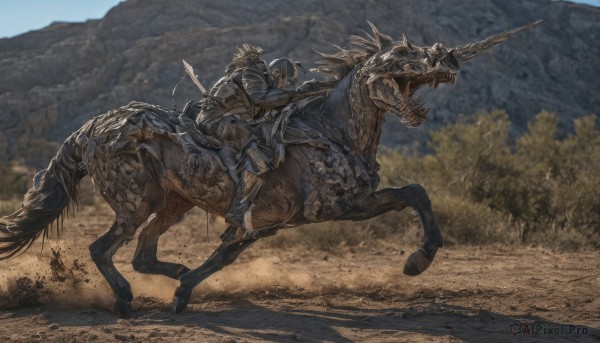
<point>130,188</point>
<point>145,260</point>
<point>103,249</point>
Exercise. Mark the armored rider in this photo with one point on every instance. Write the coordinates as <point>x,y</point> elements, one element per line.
<point>236,102</point>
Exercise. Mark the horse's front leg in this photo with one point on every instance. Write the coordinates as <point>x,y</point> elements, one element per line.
<point>390,199</point>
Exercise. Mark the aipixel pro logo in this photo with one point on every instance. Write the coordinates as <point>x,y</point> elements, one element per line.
<point>546,329</point>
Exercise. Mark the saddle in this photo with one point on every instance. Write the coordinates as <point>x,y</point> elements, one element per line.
<point>276,130</point>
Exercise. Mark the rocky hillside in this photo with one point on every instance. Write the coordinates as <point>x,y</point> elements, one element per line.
<point>54,79</point>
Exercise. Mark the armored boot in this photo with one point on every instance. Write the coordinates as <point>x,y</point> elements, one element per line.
<point>250,183</point>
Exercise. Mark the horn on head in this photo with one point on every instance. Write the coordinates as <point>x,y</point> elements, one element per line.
<point>466,52</point>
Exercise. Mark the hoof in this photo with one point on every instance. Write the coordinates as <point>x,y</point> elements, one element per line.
<point>417,262</point>
<point>181,299</point>
<point>123,308</point>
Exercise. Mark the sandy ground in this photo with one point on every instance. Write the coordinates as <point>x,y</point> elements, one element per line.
<point>471,294</point>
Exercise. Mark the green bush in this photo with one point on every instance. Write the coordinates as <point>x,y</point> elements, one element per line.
<point>539,189</point>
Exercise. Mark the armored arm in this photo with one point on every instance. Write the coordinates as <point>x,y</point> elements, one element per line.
<point>256,86</point>
<point>266,98</point>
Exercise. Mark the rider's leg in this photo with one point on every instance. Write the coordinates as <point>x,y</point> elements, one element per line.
<point>240,210</point>
<point>238,135</point>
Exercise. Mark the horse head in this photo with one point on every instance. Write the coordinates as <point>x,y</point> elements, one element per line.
<point>391,71</point>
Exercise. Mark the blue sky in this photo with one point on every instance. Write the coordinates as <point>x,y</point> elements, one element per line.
<point>20,16</point>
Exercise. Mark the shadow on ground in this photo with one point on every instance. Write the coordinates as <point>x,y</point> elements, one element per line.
<point>318,320</point>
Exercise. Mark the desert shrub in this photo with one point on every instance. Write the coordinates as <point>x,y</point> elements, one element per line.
<point>13,182</point>
<point>467,222</point>
<point>470,166</point>
<point>475,162</point>
<point>539,189</point>
<point>562,177</point>
<point>321,236</point>
<point>16,181</point>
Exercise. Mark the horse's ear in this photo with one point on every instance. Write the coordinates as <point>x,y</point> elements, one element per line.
<point>405,42</point>
<point>401,48</point>
<point>380,39</point>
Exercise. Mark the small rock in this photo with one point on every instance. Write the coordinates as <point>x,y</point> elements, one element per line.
<point>53,326</point>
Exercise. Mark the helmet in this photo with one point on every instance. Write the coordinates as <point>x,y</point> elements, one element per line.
<point>283,72</point>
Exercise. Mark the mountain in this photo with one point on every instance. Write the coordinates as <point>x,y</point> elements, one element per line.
<point>56,78</point>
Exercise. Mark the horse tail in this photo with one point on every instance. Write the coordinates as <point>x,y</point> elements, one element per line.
<point>54,188</point>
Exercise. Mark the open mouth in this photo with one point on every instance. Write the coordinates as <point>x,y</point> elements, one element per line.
<point>408,84</point>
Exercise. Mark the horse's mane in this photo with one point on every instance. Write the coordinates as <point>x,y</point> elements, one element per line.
<point>339,64</point>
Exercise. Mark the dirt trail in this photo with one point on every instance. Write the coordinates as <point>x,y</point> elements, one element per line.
<point>355,294</point>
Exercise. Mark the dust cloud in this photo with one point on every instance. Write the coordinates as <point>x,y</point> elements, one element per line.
<point>270,276</point>
<point>63,276</point>
<point>55,277</point>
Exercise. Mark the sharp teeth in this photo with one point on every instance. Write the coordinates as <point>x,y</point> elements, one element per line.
<point>406,89</point>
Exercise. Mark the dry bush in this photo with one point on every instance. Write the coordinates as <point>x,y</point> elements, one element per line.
<point>14,181</point>
<point>467,222</point>
<point>323,236</point>
<point>9,206</point>
<point>541,189</point>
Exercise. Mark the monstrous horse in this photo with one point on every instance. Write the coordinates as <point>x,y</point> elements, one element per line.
<point>152,166</point>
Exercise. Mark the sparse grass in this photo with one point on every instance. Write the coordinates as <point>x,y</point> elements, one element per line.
<point>9,206</point>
